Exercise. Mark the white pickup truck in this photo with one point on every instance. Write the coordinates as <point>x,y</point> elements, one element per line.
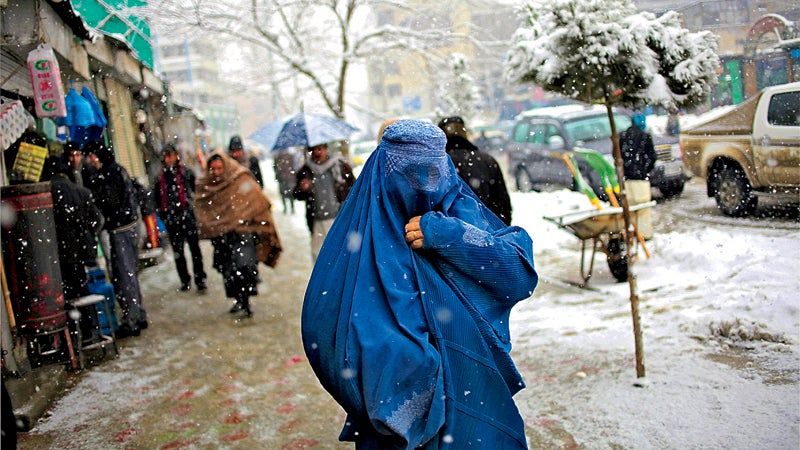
<point>750,151</point>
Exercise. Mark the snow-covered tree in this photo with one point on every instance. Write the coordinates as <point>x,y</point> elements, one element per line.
<point>603,51</point>
<point>318,41</point>
<point>457,93</point>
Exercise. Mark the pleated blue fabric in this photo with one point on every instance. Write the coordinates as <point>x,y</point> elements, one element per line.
<point>414,344</point>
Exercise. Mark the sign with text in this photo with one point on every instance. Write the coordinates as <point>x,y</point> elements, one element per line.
<point>48,91</point>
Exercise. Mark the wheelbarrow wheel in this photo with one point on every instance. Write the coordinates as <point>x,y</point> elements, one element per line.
<point>617,259</point>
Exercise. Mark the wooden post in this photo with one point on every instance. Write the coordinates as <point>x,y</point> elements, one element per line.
<point>12,322</point>
<point>629,242</point>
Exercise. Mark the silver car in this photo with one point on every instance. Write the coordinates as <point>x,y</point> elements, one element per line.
<point>540,137</point>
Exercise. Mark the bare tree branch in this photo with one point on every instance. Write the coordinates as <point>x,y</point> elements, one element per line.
<point>318,41</point>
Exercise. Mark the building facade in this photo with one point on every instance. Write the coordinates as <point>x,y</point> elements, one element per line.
<point>759,41</point>
<point>191,67</point>
<point>405,83</point>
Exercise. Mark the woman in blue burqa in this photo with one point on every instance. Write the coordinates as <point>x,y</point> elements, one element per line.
<point>405,319</point>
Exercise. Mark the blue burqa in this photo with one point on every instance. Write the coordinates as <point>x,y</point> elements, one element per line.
<point>414,344</point>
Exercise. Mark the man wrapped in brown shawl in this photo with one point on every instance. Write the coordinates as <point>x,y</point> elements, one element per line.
<point>233,212</point>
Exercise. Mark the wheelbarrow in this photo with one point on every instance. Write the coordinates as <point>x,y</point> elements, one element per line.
<point>600,229</point>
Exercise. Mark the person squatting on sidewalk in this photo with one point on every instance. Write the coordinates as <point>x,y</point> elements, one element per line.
<point>405,317</point>
<point>175,187</point>
<point>323,183</point>
<point>114,195</point>
<point>235,214</point>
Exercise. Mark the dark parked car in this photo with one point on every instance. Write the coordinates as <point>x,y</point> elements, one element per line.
<point>540,138</point>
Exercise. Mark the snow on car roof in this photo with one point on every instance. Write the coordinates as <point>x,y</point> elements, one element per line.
<point>563,111</point>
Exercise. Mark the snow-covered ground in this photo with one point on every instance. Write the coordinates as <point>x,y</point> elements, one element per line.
<point>721,317</point>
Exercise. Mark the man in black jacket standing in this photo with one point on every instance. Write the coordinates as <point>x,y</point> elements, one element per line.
<point>638,152</point>
<point>638,160</point>
<point>114,194</point>
<point>477,168</point>
<point>174,200</point>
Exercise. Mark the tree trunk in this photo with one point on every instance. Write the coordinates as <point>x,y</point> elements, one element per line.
<point>629,242</point>
<point>340,94</point>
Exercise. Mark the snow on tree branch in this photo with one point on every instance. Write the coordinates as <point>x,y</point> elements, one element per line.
<point>457,93</point>
<point>603,50</point>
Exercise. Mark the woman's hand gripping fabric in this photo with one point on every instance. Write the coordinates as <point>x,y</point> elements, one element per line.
<point>414,233</point>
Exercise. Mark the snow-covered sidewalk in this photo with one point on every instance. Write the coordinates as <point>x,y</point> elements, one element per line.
<point>721,327</point>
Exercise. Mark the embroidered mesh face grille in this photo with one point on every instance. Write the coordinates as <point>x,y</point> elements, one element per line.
<point>423,172</point>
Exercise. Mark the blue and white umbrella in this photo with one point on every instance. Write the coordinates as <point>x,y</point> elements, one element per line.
<point>302,130</point>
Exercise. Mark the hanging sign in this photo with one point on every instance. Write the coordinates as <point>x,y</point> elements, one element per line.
<point>48,91</point>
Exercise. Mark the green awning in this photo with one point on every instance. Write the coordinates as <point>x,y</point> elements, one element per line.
<point>118,19</point>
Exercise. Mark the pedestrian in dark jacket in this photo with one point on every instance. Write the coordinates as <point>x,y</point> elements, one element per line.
<point>477,168</point>
<point>237,152</point>
<point>114,194</point>
<point>638,160</point>
<point>638,152</point>
<point>79,221</point>
<point>74,156</point>
<point>285,171</point>
<point>174,202</point>
<point>323,183</point>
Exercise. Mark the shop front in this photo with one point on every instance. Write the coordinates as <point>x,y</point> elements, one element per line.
<point>62,79</point>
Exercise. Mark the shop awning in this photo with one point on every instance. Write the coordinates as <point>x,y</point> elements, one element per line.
<point>116,18</point>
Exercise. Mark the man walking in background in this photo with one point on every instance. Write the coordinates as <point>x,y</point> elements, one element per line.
<point>174,201</point>
<point>323,183</point>
<point>285,172</point>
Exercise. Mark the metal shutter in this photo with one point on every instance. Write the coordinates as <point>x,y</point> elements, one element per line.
<point>123,129</point>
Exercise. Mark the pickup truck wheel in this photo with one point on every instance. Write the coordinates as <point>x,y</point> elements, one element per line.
<point>672,189</point>
<point>733,193</point>
<point>617,261</point>
<point>524,182</point>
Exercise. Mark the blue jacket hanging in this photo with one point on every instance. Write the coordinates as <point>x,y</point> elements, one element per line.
<point>85,119</point>
<point>95,130</point>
